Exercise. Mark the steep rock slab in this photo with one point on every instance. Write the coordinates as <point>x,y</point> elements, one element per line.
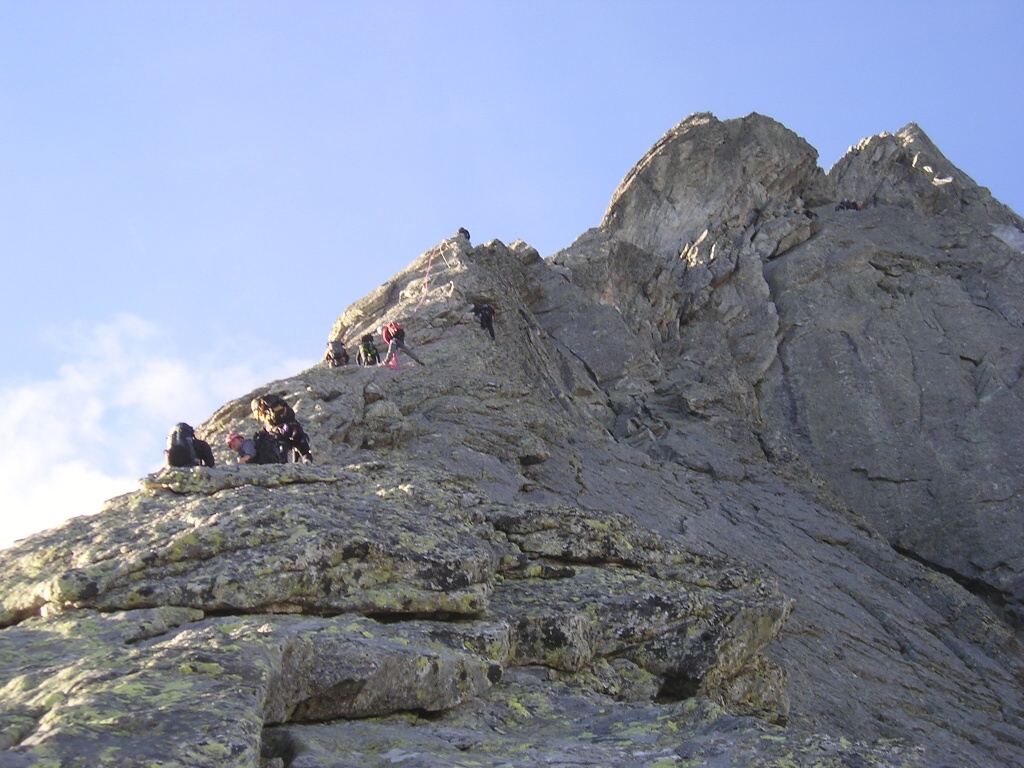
<point>719,413</point>
<point>679,254</point>
<point>877,646</point>
<point>881,345</point>
<point>898,380</point>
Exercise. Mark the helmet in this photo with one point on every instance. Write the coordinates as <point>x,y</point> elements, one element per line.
<point>233,436</point>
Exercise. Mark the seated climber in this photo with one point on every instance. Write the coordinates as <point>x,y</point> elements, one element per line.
<point>279,421</point>
<point>485,312</point>
<point>367,354</point>
<point>393,335</point>
<point>463,233</point>
<point>184,449</point>
<point>336,354</point>
<point>263,448</point>
<point>243,446</point>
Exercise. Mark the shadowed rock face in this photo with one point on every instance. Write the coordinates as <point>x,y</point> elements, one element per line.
<point>657,521</point>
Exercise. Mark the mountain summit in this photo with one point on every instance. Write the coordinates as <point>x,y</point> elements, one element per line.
<point>737,482</point>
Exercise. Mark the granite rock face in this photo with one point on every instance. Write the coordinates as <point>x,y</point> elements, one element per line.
<point>882,345</point>
<point>730,487</point>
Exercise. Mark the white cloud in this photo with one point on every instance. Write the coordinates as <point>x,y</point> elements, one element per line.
<point>51,494</point>
<point>90,431</point>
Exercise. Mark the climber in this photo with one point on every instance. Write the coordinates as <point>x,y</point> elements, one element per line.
<point>243,446</point>
<point>184,449</point>
<point>463,232</point>
<point>367,354</point>
<point>336,354</point>
<point>393,335</point>
<point>271,449</point>
<point>485,312</point>
<point>279,421</point>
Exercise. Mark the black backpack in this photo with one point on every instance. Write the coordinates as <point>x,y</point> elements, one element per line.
<point>293,436</point>
<point>180,449</point>
<point>270,449</point>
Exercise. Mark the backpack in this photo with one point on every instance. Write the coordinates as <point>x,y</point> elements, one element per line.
<point>336,354</point>
<point>292,436</point>
<point>370,354</point>
<point>397,332</point>
<point>269,449</point>
<point>180,449</point>
<point>272,410</point>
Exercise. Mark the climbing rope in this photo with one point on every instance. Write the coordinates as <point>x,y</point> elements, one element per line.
<point>426,277</point>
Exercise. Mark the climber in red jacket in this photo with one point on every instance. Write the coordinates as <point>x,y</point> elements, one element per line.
<point>393,335</point>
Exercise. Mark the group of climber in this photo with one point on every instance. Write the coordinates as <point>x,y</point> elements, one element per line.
<point>393,336</point>
<point>848,205</point>
<point>279,440</point>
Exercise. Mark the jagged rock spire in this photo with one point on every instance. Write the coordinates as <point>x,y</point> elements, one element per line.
<point>906,169</point>
<point>709,174</point>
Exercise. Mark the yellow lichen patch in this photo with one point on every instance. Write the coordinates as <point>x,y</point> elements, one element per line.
<point>518,709</point>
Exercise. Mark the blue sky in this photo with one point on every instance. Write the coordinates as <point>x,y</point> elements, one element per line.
<point>191,192</point>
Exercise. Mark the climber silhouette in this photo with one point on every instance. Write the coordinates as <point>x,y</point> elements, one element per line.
<point>485,313</point>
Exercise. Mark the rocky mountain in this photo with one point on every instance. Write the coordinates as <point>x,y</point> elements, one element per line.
<point>737,484</point>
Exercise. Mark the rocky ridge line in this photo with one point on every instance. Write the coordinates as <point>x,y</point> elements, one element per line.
<point>532,551</point>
